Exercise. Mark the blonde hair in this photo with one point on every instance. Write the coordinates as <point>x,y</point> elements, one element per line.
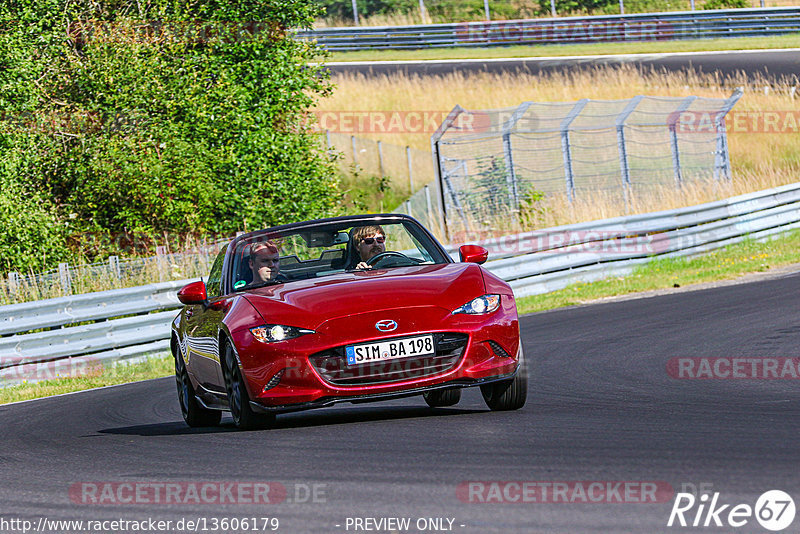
<point>363,231</point>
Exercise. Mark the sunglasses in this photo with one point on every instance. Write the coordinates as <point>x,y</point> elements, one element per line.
<point>371,240</point>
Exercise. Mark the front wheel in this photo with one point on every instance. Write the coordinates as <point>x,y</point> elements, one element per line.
<point>442,397</point>
<point>193,413</point>
<point>508,394</point>
<point>238,400</point>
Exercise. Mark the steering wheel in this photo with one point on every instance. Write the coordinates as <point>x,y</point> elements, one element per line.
<point>377,258</point>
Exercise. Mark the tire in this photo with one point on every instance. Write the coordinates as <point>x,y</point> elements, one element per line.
<point>193,413</point>
<point>442,397</point>
<point>238,400</point>
<point>508,394</point>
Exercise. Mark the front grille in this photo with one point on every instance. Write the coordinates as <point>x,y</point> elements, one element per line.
<point>332,364</point>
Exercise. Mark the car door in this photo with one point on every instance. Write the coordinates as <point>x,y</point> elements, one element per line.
<point>202,330</point>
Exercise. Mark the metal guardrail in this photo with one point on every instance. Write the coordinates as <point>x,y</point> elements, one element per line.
<point>126,324</point>
<point>50,313</point>
<point>635,27</point>
<point>69,335</point>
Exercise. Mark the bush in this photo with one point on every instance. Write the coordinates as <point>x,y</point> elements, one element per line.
<point>445,10</point>
<point>725,4</point>
<point>32,237</point>
<point>163,116</point>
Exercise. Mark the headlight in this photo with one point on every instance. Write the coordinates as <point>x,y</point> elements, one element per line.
<point>270,333</point>
<point>480,305</point>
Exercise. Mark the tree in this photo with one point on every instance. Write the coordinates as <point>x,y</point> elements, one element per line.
<point>163,115</point>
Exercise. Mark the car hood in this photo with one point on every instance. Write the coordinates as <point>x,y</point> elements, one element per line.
<point>309,303</point>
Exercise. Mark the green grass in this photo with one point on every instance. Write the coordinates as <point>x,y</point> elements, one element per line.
<point>154,367</point>
<point>643,47</point>
<point>731,262</point>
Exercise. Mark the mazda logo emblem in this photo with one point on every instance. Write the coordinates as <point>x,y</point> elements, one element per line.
<point>387,325</point>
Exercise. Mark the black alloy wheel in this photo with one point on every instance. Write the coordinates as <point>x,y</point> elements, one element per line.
<point>193,413</point>
<point>238,400</point>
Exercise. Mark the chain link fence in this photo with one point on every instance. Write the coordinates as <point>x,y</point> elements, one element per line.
<point>406,168</point>
<point>493,164</point>
<point>113,273</point>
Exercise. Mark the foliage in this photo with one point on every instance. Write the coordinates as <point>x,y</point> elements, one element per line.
<point>161,116</point>
<point>31,234</point>
<point>450,10</point>
<point>532,209</point>
<point>368,193</point>
<point>725,4</point>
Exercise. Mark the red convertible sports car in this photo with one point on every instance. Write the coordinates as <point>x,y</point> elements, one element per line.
<point>348,309</point>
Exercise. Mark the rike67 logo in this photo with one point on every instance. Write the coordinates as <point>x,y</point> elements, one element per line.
<point>774,510</point>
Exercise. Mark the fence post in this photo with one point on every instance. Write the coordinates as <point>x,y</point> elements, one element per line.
<point>437,167</point>
<point>353,144</point>
<point>722,161</point>
<point>113,264</point>
<point>566,148</point>
<point>380,158</point>
<point>410,172</point>
<point>673,137</point>
<point>428,207</point>
<point>328,140</point>
<point>511,174</point>
<point>161,253</point>
<point>13,282</point>
<point>623,151</point>
<point>355,12</point>
<point>65,278</point>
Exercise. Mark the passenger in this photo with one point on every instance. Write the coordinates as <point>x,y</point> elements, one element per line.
<point>369,242</point>
<point>265,262</point>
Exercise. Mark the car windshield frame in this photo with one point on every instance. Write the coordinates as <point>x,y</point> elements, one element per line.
<point>417,232</point>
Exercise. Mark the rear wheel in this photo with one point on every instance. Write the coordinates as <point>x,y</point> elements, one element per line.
<point>238,400</point>
<point>508,394</point>
<point>193,413</point>
<point>442,397</point>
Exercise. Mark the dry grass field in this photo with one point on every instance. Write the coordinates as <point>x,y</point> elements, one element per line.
<point>758,160</point>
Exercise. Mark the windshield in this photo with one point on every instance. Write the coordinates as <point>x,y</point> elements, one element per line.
<point>317,251</point>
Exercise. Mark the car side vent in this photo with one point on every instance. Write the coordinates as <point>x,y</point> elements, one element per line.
<point>500,351</point>
<point>275,380</point>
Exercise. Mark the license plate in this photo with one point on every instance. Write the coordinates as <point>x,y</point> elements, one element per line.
<point>389,350</point>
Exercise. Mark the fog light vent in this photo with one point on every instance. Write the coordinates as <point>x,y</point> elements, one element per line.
<point>274,380</point>
<point>498,349</point>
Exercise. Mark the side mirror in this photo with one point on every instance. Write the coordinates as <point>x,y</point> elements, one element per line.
<point>473,254</point>
<point>194,293</point>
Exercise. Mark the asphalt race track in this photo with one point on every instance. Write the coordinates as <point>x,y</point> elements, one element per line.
<point>601,408</point>
<point>754,63</point>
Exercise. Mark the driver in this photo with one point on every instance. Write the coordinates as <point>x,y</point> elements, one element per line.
<point>369,241</point>
<point>265,262</point>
